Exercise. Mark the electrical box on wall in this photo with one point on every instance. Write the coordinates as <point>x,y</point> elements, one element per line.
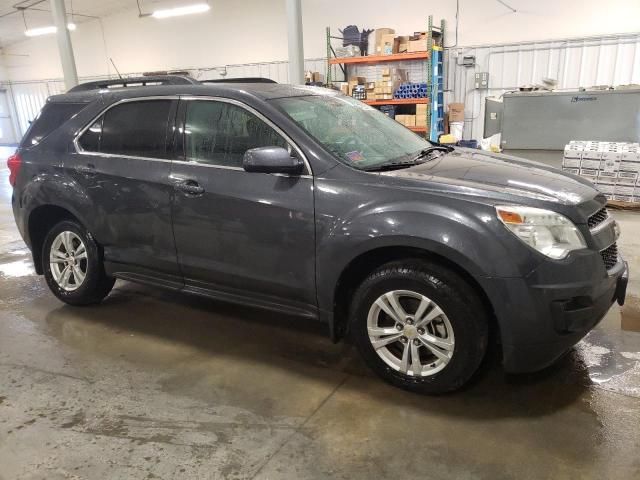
<point>482,80</point>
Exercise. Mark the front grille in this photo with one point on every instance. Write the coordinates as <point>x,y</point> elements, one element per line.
<point>597,218</point>
<point>610,256</point>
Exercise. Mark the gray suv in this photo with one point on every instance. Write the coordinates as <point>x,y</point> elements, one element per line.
<point>307,202</point>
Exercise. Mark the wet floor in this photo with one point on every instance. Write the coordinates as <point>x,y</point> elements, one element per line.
<point>152,384</point>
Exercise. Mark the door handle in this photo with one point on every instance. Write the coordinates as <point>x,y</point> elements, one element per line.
<point>190,187</point>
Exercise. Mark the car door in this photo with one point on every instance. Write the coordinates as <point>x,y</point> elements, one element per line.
<point>246,234</point>
<point>122,166</point>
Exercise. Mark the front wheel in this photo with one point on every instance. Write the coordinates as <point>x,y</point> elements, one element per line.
<point>420,326</point>
<point>72,265</point>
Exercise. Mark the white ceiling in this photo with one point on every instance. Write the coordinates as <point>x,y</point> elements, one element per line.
<point>38,13</point>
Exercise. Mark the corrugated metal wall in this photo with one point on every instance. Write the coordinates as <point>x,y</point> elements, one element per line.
<point>574,63</point>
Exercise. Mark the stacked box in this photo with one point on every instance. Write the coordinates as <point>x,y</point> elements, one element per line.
<point>406,120</point>
<point>614,167</point>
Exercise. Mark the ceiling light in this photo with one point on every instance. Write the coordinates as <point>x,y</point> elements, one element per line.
<point>36,32</point>
<point>178,11</point>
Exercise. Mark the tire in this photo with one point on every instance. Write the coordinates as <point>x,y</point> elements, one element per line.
<point>452,344</point>
<point>78,289</point>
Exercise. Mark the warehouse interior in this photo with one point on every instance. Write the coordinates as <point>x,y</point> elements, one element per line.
<point>154,383</point>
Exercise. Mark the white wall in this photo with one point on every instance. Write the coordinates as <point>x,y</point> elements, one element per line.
<point>244,31</point>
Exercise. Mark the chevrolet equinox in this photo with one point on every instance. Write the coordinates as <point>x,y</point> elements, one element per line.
<point>307,202</point>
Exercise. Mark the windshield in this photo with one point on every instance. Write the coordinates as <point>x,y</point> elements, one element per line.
<point>356,133</point>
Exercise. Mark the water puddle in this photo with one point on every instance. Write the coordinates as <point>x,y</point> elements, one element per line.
<point>20,268</point>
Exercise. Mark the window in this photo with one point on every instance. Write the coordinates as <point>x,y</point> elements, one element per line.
<point>52,116</point>
<point>90,139</point>
<point>132,128</point>
<point>220,133</point>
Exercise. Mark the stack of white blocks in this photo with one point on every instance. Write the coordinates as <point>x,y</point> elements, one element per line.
<point>613,166</point>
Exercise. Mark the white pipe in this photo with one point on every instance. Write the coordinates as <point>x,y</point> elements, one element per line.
<point>294,36</point>
<point>64,44</point>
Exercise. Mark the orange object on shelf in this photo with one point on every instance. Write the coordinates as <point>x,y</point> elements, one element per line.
<point>418,129</point>
<point>380,58</point>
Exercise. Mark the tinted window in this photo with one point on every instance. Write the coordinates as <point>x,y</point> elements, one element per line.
<point>136,128</point>
<point>90,139</point>
<point>219,133</point>
<point>51,117</point>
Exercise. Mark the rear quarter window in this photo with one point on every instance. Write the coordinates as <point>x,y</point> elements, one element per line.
<point>52,116</point>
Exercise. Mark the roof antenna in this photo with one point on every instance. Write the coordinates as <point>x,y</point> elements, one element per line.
<point>114,66</point>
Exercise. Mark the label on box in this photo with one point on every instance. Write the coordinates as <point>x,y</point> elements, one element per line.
<point>589,172</point>
<point>607,176</point>
<point>574,171</point>
<point>571,162</point>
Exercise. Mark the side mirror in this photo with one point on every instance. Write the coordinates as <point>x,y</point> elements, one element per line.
<point>271,160</point>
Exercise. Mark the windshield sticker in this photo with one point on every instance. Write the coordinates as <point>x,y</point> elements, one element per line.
<point>355,156</point>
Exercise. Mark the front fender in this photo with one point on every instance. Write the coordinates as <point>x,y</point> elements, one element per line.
<point>465,233</point>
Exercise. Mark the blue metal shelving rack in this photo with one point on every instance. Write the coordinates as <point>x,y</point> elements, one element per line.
<point>436,127</point>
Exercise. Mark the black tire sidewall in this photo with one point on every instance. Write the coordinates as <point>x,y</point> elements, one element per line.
<point>86,293</point>
<point>465,315</point>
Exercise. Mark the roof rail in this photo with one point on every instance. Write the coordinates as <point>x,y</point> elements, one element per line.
<point>135,82</point>
<point>240,80</point>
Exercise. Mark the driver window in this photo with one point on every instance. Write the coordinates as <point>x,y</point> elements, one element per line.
<point>219,133</point>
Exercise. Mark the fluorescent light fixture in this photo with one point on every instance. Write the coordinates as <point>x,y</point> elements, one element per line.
<point>179,11</point>
<point>36,32</point>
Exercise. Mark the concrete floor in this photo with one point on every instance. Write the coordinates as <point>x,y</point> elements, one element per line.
<point>153,384</point>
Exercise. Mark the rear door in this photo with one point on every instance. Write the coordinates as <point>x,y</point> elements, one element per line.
<point>122,164</point>
<point>246,234</point>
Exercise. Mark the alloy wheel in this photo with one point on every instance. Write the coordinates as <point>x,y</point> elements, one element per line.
<point>410,333</point>
<point>68,261</point>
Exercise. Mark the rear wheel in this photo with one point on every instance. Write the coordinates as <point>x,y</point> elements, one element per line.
<point>419,326</point>
<point>72,265</point>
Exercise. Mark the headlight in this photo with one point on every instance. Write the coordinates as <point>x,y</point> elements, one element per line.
<point>550,233</point>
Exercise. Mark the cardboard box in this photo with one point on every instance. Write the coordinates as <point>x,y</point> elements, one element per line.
<point>456,112</point>
<point>630,166</point>
<point>571,162</point>
<point>417,46</point>
<point>403,44</point>
<point>378,33</point>
<point>318,77</point>
<point>607,176</point>
<point>344,88</point>
<point>623,190</point>
<point>606,188</point>
<point>389,44</point>
<point>627,178</point>
<point>574,171</point>
<point>353,81</point>
<point>588,163</point>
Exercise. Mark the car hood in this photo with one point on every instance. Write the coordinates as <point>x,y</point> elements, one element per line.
<point>474,170</point>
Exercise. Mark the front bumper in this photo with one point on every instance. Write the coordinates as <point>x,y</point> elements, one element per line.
<point>544,315</point>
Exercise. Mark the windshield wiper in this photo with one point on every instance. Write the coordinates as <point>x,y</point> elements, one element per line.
<point>394,165</point>
<point>436,148</point>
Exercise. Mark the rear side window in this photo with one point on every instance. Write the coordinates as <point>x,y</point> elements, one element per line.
<point>52,116</point>
<point>136,129</point>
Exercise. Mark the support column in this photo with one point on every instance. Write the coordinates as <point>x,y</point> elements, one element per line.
<point>294,36</point>
<point>64,44</point>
